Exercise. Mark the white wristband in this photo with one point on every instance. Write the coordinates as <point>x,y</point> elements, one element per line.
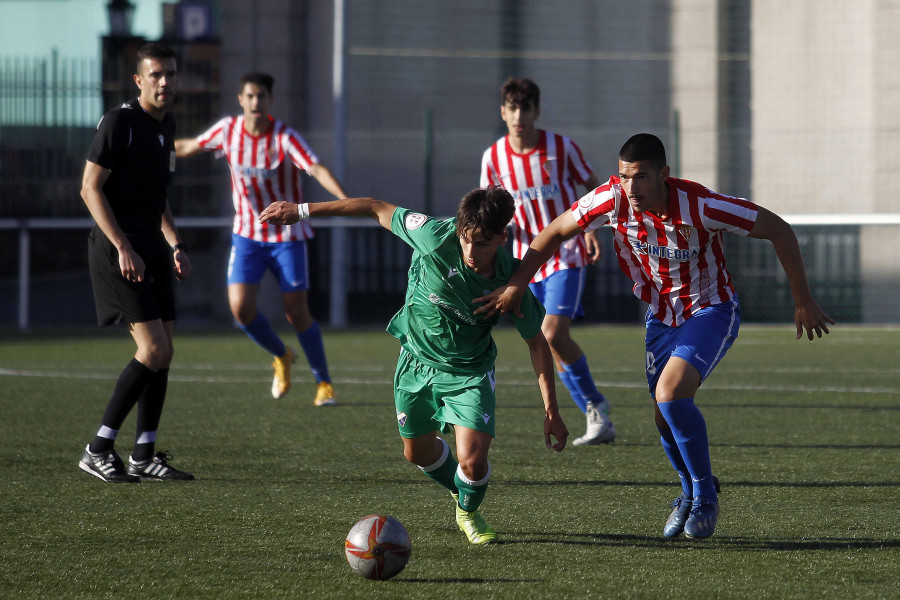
<point>303,211</point>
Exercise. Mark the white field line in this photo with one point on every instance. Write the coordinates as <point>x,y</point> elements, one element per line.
<point>524,381</point>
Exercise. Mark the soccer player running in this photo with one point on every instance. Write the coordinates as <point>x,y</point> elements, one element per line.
<point>542,170</point>
<point>445,375</point>
<point>668,240</point>
<point>265,157</point>
<point>133,249</point>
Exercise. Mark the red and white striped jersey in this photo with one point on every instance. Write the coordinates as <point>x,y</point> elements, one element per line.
<point>262,172</point>
<point>543,184</point>
<point>677,264</point>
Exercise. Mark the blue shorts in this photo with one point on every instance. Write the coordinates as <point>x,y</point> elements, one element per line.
<point>250,259</point>
<point>560,293</point>
<point>702,340</point>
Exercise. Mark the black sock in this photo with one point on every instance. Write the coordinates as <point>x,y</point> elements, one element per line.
<point>129,386</point>
<point>150,407</point>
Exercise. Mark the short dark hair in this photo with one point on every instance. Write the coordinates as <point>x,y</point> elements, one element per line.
<point>644,146</point>
<point>154,50</point>
<point>488,209</point>
<point>522,92</point>
<point>261,79</point>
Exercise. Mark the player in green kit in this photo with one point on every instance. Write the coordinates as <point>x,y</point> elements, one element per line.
<point>445,375</point>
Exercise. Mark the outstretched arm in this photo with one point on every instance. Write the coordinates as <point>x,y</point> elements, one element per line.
<point>592,239</point>
<point>288,213</point>
<point>542,361</point>
<point>807,313</point>
<point>187,147</point>
<point>508,297</point>
<point>327,180</point>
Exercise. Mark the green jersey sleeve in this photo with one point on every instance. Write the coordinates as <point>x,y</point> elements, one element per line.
<point>425,234</point>
<point>532,316</point>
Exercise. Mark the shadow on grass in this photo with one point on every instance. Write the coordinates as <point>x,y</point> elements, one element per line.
<point>725,484</point>
<point>756,405</point>
<point>467,580</point>
<point>814,446</point>
<point>716,542</point>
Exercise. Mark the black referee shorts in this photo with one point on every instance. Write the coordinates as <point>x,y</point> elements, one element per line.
<point>118,299</point>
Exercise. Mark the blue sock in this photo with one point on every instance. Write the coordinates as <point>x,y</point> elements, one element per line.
<point>576,397</point>
<point>689,431</point>
<point>314,349</point>
<point>262,333</point>
<point>670,446</point>
<point>582,383</point>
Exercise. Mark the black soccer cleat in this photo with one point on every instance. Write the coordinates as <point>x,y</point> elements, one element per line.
<point>106,466</point>
<point>157,468</point>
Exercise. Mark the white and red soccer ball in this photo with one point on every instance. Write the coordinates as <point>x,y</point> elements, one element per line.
<point>377,547</point>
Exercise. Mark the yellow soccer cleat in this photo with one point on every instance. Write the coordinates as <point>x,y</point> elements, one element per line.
<point>475,527</point>
<point>282,380</point>
<point>325,395</point>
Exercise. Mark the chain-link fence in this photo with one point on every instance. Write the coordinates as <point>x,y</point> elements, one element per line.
<point>422,100</point>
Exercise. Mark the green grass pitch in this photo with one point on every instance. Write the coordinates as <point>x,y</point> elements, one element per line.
<point>805,437</point>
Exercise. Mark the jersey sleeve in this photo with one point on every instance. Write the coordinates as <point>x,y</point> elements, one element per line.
<point>595,209</point>
<point>726,213</point>
<point>488,175</point>
<point>113,135</point>
<point>296,147</point>
<point>578,167</point>
<point>213,139</point>
<point>423,233</point>
<point>532,316</point>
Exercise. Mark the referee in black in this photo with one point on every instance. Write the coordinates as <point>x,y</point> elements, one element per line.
<point>134,250</point>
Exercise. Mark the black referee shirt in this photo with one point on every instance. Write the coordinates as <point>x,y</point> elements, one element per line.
<point>139,153</point>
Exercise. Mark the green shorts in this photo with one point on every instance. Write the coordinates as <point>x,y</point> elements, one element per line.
<point>427,399</point>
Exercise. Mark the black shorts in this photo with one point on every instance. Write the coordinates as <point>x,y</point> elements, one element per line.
<point>118,299</point>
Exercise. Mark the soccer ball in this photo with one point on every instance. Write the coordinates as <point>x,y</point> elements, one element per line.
<point>377,547</point>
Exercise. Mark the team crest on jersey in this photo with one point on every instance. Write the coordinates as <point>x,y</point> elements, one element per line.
<point>272,154</point>
<point>415,220</point>
<point>685,231</point>
<point>549,166</point>
<point>401,418</point>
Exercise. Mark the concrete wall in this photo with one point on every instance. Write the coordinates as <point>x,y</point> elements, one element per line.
<point>695,88</point>
<point>826,130</point>
<point>814,100</point>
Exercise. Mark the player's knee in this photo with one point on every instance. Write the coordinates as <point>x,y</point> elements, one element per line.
<point>299,318</point>
<point>560,340</point>
<point>475,467</point>
<point>417,453</point>
<point>243,315</point>
<point>665,395</point>
<point>157,355</point>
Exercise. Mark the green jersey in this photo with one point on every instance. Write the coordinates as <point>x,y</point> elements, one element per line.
<point>436,324</point>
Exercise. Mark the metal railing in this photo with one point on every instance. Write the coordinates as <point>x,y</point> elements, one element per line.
<point>372,273</point>
<point>25,226</point>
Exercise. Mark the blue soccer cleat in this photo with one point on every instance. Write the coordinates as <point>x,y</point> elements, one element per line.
<point>701,523</point>
<point>681,508</point>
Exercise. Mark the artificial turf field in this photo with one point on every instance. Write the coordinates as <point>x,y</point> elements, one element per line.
<point>805,437</point>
